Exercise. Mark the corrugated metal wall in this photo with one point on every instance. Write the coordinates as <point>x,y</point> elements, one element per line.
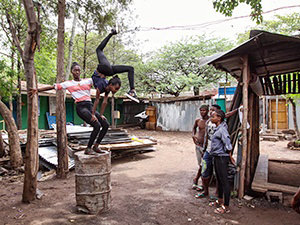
<point>291,121</point>
<point>178,116</point>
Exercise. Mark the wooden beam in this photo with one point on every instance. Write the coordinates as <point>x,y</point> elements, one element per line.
<point>280,68</point>
<point>113,125</point>
<point>284,84</point>
<point>275,82</point>
<point>294,83</point>
<point>298,82</point>
<point>246,76</point>
<point>270,85</point>
<point>249,139</point>
<point>263,85</point>
<point>289,84</point>
<point>280,84</point>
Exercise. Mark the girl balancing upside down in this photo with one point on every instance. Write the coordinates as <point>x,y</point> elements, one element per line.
<point>104,67</point>
<point>80,90</point>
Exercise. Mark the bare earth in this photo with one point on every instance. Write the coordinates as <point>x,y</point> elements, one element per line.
<point>152,188</point>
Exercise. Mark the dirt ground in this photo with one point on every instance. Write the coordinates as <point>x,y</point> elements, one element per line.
<point>151,188</point>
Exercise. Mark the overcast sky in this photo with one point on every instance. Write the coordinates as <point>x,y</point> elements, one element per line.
<point>165,13</point>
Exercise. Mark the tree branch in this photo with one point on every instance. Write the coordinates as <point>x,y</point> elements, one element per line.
<point>14,34</point>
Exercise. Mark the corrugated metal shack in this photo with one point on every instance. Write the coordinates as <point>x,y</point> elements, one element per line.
<point>267,64</point>
<point>179,113</point>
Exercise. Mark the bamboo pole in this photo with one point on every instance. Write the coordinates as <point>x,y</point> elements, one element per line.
<point>246,74</point>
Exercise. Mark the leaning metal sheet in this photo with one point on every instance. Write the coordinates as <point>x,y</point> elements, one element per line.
<point>49,154</point>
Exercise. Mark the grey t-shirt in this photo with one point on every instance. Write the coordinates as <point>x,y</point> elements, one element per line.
<point>220,141</point>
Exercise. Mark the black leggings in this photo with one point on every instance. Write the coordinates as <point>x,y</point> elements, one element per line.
<point>84,111</point>
<point>221,168</point>
<point>109,70</point>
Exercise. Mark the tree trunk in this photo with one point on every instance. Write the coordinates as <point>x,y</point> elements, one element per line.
<point>31,156</point>
<point>13,137</point>
<point>71,45</point>
<point>19,97</point>
<point>62,168</point>
<point>2,149</point>
<point>295,118</point>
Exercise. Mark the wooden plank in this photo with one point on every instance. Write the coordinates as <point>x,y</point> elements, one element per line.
<point>264,187</point>
<point>124,146</point>
<point>255,150</point>
<point>246,76</point>
<point>275,82</point>
<point>270,86</point>
<point>263,85</point>
<point>293,161</point>
<point>249,141</point>
<point>113,125</point>
<point>289,84</point>
<point>294,83</point>
<point>284,173</point>
<point>298,82</point>
<point>280,84</point>
<point>284,84</point>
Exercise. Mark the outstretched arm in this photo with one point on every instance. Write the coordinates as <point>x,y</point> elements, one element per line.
<point>231,113</point>
<point>34,91</point>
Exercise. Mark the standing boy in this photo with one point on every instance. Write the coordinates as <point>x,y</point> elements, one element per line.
<point>198,138</point>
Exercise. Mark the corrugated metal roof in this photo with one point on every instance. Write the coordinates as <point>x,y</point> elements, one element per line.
<point>207,94</point>
<point>269,53</point>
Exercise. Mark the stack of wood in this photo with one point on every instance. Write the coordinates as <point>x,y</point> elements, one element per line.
<point>288,134</point>
<point>118,141</point>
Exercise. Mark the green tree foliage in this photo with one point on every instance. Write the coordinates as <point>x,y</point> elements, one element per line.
<point>175,67</point>
<point>226,7</point>
<point>287,25</point>
<point>7,78</point>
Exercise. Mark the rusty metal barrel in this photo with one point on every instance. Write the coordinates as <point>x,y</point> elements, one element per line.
<point>92,182</point>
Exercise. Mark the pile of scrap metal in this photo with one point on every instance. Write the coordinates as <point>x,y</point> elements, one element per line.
<point>118,141</point>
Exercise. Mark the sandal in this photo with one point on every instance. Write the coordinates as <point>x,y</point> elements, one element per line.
<point>221,210</point>
<point>97,150</point>
<point>89,151</point>
<point>200,195</point>
<point>194,186</point>
<point>213,198</point>
<point>199,188</point>
<point>215,204</point>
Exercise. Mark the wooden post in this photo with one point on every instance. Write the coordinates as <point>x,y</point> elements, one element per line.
<point>62,168</point>
<point>113,125</point>
<point>276,121</point>
<point>264,113</point>
<point>246,75</point>
<point>2,149</point>
<point>251,115</point>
